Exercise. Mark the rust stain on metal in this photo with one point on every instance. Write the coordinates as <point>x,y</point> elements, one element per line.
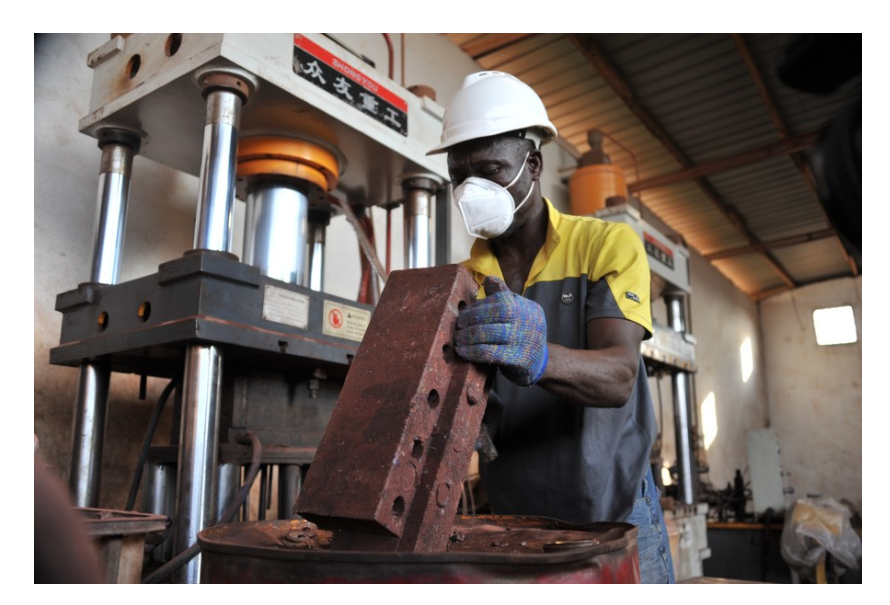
<point>389,468</point>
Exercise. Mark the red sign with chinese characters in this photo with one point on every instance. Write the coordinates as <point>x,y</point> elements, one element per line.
<point>338,78</point>
<point>658,251</point>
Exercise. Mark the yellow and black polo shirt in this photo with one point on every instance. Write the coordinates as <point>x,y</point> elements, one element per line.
<point>557,459</point>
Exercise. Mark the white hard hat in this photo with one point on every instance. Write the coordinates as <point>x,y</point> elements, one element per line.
<point>490,103</point>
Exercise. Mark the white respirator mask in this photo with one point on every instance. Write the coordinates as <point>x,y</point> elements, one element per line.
<point>487,207</point>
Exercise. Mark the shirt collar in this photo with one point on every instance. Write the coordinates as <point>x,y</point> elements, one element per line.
<point>483,261</point>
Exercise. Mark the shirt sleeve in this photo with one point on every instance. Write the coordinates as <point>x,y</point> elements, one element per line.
<point>621,263</point>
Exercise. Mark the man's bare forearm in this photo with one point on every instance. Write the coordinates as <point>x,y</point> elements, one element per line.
<point>600,378</point>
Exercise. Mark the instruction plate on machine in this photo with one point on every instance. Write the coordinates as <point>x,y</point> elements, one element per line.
<point>286,307</point>
<point>344,321</point>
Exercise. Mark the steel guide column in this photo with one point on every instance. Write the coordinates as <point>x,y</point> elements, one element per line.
<point>216,200</point>
<point>318,223</point>
<point>680,384</point>
<point>229,482</point>
<point>118,148</point>
<point>418,193</point>
<point>290,481</point>
<point>158,497</point>
<point>225,90</point>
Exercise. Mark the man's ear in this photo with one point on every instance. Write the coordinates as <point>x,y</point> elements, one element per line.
<point>535,164</point>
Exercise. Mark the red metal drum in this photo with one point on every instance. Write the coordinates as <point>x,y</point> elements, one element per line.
<point>481,549</point>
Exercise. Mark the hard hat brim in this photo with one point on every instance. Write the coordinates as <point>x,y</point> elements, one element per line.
<point>547,135</point>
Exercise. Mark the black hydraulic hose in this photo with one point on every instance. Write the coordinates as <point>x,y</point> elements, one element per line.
<point>228,514</point>
<point>146,443</point>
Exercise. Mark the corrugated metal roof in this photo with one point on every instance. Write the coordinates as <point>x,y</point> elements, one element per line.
<point>750,272</point>
<point>773,198</point>
<point>814,261</point>
<point>683,101</point>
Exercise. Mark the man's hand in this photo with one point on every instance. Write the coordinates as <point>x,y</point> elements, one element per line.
<point>506,330</point>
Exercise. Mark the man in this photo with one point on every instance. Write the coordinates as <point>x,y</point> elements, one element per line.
<point>566,306</point>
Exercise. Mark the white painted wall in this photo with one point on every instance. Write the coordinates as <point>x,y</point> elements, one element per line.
<point>815,392</point>
<point>721,317</point>
<point>160,227</point>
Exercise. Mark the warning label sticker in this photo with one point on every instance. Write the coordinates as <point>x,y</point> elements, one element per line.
<point>286,307</point>
<point>344,321</point>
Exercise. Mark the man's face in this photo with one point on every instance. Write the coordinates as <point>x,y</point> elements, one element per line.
<point>498,159</point>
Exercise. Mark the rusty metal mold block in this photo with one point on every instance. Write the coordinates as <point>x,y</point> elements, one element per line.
<point>389,470</point>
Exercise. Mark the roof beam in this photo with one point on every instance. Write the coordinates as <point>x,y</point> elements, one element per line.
<point>619,84</point>
<point>770,292</point>
<point>799,161</point>
<point>758,296</point>
<point>745,158</point>
<point>779,243</point>
<point>493,43</point>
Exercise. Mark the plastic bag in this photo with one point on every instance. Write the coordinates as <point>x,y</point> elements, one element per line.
<point>817,526</point>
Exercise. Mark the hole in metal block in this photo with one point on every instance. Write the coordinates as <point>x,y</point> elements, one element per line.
<point>133,66</point>
<point>433,398</point>
<point>174,41</point>
<point>398,507</point>
<point>102,320</point>
<point>144,311</point>
<point>417,450</point>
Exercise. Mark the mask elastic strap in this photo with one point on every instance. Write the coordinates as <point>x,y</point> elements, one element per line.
<point>516,178</point>
<point>519,174</point>
<point>525,199</point>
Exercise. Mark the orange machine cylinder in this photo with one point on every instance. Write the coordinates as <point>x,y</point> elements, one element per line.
<point>595,180</point>
<point>285,157</point>
<point>591,186</point>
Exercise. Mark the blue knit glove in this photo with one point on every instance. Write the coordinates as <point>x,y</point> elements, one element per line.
<point>506,330</point>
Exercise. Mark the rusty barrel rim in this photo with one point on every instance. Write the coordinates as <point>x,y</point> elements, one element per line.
<point>255,539</point>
